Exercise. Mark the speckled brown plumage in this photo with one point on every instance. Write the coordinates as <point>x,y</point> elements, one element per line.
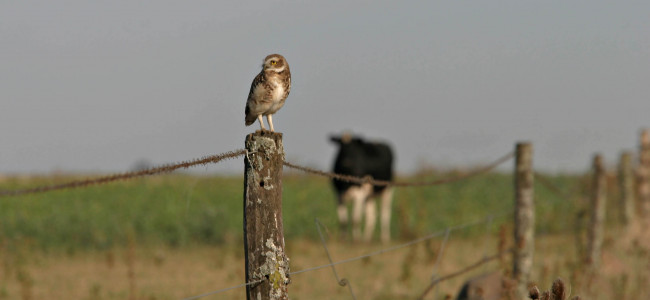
<point>269,90</point>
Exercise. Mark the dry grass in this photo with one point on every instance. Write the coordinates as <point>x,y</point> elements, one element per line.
<point>174,274</point>
<point>138,272</point>
<point>623,273</point>
<point>163,273</point>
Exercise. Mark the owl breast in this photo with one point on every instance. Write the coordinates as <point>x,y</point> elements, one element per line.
<point>277,96</point>
<point>278,91</point>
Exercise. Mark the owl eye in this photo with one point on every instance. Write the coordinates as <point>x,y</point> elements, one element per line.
<point>273,62</point>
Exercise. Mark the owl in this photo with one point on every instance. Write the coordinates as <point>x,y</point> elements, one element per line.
<point>269,90</point>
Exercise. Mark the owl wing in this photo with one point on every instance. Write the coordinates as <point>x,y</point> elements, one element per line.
<point>259,79</point>
<point>250,117</point>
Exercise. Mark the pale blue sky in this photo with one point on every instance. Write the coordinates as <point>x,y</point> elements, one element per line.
<point>96,86</point>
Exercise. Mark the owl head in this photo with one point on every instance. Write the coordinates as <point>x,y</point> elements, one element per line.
<point>275,63</point>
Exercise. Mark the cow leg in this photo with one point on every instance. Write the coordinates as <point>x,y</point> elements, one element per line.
<point>357,214</point>
<point>371,219</point>
<point>386,211</point>
<point>359,195</point>
<point>342,211</point>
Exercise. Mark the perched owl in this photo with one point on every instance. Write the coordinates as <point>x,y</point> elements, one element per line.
<point>269,90</point>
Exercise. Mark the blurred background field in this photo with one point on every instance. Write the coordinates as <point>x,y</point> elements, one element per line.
<point>176,236</point>
<point>184,210</point>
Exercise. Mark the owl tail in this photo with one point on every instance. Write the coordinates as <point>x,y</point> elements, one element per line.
<point>250,118</point>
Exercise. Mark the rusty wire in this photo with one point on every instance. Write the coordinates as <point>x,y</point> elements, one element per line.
<point>369,180</point>
<point>232,154</point>
<point>167,168</point>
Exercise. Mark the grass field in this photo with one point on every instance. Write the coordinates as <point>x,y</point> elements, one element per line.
<point>176,236</point>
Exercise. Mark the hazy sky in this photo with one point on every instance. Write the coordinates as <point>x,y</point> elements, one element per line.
<point>96,86</point>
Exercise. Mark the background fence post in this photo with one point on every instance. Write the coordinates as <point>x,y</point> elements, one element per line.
<point>524,218</point>
<point>597,213</point>
<point>266,262</point>
<point>626,184</point>
<point>643,175</point>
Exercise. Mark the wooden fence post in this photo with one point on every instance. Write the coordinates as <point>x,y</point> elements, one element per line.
<point>643,175</point>
<point>524,218</point>
<point>626,184</point>
<point>266,262</point>
<point>598,197</point>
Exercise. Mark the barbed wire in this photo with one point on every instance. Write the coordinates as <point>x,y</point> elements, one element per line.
<point>367,179</point>
<point>236,153</point>
<point>128,175</point>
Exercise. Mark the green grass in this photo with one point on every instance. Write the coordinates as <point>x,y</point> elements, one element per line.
<point>180,210</point>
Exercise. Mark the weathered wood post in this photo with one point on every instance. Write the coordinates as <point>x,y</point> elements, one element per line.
<point>597,213</point>
<point>626,184</point>
<point>524,218</point>
<point>643,175</point>
<point>266,262</point>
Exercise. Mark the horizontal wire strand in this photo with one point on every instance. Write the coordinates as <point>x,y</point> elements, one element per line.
<point>128,175</point>
<point>236,153</point>
<point>375,182</point>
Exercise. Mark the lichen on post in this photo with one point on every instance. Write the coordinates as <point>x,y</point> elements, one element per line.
<point>266,262</point>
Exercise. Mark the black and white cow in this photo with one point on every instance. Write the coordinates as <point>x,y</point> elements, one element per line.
<point>359,158</point>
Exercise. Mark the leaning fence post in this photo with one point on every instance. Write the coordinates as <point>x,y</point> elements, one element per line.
<point>626,184</point>
<point>267,266</point>
<point>524,218</point>
<point>598,196</point>
<point>643,175</point>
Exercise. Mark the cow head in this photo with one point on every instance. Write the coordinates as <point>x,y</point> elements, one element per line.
<point>345,139</point>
